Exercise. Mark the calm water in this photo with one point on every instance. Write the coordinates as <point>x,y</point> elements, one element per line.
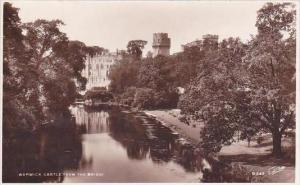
<point>103,145</point>
<point>130,147</point>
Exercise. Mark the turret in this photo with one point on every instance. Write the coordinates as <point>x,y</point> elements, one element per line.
<point>161,44</point>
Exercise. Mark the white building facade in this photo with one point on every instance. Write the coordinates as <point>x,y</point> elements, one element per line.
<point>97,69</point>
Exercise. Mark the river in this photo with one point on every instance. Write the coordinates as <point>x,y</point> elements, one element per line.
<point>119,146</point>
<point>105,145</point>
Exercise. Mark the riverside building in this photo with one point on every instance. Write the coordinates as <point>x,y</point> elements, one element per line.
<point>97,69</point>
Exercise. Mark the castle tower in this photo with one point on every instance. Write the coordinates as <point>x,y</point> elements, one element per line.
<point>161,44</point>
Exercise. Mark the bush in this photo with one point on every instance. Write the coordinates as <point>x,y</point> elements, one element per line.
<point>144,98</point>
<point>166,99</point>
<point>127,97</point>
<point>102,95</point>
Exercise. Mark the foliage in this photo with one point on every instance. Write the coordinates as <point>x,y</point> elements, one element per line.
<point>40,69</point>
<point>135,48</point>
<point>20,111</point>
<point>165,99</point>
<point>127,98</point>
<point>161,74</point>
<point>75,54</point>
<point>129,77</point>
<point>98,94</point>
<point>212,96</point>
<point>247,88</point>
<point>123,75</point>
<point>13,35</point>
<point>157,73</point>
<point>223,172</point>
<point>277,18</point>
<point>94,50</point>
<point>52,72</point>
<point>187,64</point>
<point>143,98</point>
<point>271,60</point>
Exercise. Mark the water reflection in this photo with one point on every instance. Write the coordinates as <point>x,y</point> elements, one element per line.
<point>142,138</point>
<point>91,122</point>
<point>51,149</point>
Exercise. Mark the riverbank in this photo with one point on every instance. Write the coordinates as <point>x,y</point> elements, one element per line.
<point>170,118</point>
<point>256,157</point>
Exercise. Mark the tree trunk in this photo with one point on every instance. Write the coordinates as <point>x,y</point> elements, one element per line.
<point>249,140</point>
<point>277,144</point>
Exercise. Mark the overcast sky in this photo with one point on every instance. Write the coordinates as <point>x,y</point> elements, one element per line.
<point>112,24</point>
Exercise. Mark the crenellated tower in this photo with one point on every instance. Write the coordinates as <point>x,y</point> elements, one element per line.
<point>161,44</point>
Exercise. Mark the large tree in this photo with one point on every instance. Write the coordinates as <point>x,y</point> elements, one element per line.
<point>213,96</point>
<point>159,75</point>
<point>123,75</point>
<point>270,61</point>
<point>21,107</point>
<point>40,69</point>
<point>188,62</point>
<point>51,73</point>
<point>248,90</point>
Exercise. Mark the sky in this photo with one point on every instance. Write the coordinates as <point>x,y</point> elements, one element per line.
<point>111,24</point>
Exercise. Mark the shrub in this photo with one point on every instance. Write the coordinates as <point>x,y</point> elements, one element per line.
<point>143,98</point>
<point>166,99</point>
<point>102,95</point>
<point>127,97</point>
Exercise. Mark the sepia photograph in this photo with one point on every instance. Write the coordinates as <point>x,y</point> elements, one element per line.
<point>149,91</point>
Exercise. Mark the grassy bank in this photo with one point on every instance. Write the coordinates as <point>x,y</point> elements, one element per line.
<point>256,158</point>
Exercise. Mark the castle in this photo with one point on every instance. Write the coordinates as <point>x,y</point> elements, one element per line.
<point>98,66</point>
<point>97,69</point>
<point>208,40</point>
<point>161,44</point>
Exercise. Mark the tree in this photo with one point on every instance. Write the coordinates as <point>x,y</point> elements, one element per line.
<point>13,37</point>
<point>21,112</point>
<point>40,68</point>
<point>159,75</point>
<point>215,94</point>
<point>123,74</point>
<point>135,48</point>
<point>271,60</point>
<point>51,69</point>
<point>248,89</point>
<point>95,50</point>
<point>75,55</point>
<point>187,64</point>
